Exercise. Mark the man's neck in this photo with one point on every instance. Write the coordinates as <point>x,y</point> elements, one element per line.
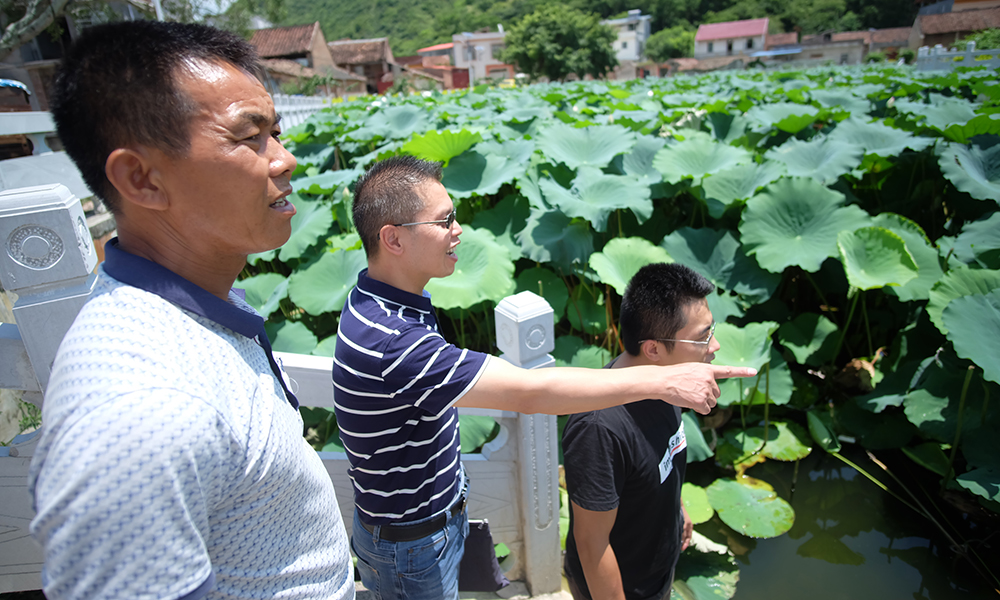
<point>215,274</point>
<point>378,271</point>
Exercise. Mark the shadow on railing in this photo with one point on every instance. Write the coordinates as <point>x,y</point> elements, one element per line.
<point>48,262</point>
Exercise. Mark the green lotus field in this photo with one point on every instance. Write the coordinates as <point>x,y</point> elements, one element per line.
<point>848,217</point>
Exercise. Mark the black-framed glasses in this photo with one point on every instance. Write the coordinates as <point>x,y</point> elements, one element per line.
<point>446,222</point>
<point>705,342</point>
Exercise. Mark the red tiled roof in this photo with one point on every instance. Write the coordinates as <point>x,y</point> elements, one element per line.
<point>844,36</point>
<point>894,35</point>
<point>436,47</point>
<point>290,67</point>
<point>359,52</point>
<point>781,39</point>
<point>966,20</point>
<point>731,29</point>
<point>284,41</point>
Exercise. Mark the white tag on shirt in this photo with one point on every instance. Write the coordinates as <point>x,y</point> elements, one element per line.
<point>678,442</point>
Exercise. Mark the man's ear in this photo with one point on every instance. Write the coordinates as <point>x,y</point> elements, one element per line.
<point>135,175</point>
<point>389,240</point>
<point>653,351</point>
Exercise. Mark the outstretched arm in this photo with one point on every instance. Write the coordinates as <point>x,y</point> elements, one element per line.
<point>566,390</point>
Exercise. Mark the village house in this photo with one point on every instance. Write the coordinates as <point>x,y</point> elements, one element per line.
<point>479,52</point>
<point>948,28</point>
<point>732,38</point>
<point>369,58</point>
<point>632,30</point>
<point>293,54</point>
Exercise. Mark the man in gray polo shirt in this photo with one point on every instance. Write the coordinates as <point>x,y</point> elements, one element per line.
<point>398,383</point>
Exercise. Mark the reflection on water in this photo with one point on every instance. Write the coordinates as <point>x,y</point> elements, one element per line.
<point>850,541</point>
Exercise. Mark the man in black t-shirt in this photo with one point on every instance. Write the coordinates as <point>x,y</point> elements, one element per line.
<point>625,465</point>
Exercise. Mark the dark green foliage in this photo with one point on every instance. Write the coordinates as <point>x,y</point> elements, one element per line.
<point>556,42</point>
<point>674,42</point>
<point>985,39</point>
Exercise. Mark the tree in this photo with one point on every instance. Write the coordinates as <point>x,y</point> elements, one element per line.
<point>986,39</point>
<point>37,16</point>
<point>557,42</point>
<point>675,42</point>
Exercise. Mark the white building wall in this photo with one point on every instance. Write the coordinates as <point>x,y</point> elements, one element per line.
<point>633,32</point>
<point>740,46</point>
<point>478,52</point>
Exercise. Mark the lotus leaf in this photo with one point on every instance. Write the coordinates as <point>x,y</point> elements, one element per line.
<point>327,183</point>
<point>696,504</point>
<point>474,431</point>
<point>926,257</point>
<point>739,448</point>
<point>718,256</point>
<point>698,157</point>
<point>550,236</point>
<point>933,405</point>
<point>484,272</point>
<point>697,448</point>
<point>842,98</point>
<point>590,146</point>
<point>257,257</point>
<point>396,122</point>
<point>890,429</point>
<point>504,220</point>
<point>571,351</point>
<point>639,162</point>
<point>822,432</point>
<point>940,112</point>
<point>877,138</point>
<point>738,183</point>
<point>979,242</point>
<point>622,258</point>
<point>322,286</point>
<point>874,257</point>
<point>595,195</point>
<point>810,338</point>
<point>826,547</point>
<point>796,222</point>
<point>381,153</point>
<point>988,124</point>
<point>441,146</point>
<point>773,385</point>
<point>586,311</point>
<point>546,284</point>
<point>979,447</point>
<point>929,455</point>
<point>756,512</point>
<point>291,336</point>
<point>312,155</point>
<point>956,283</point>
<point>982,482</point>
<point>264,291</point>
<point>705,575</point>
<point>821,158</point>
<point>747,346</point>
<point>326,347</point>
<point>727,128</point>
<point>973,324</point>
<point>723,305</point>
<point>475,174</point>
<point>786,116</point>
<point>344,241</point>
<point>790,443</point>
<point>973,170</point>
<point>311,221</point>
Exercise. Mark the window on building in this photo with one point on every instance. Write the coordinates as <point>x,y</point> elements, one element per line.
<point>631,26</point>
<point>470,53</point>
<point>711,47</point>
<point>749,43</point>
<point>497,74</point>
<point>729,47</point>
<point>843,59</point>
<point>624,45</point>
<point>495,51</point>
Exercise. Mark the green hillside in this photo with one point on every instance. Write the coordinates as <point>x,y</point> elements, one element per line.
<point>413,24</point>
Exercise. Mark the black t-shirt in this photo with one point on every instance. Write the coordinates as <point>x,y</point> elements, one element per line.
<point>633,458</point>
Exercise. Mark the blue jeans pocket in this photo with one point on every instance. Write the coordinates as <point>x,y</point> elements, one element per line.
<point>427,556</point>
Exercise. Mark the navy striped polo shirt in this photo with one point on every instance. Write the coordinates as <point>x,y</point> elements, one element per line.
<point>396,381</point>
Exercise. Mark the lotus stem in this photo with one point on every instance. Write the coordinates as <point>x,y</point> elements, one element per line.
<point>819,292</point>
<point>958,427</point>
<point>767,400</point>
<point>868,330</point>
<point>843,332</point>
<point>874,480</point>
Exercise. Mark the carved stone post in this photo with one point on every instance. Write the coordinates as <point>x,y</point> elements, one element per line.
<point>47,260</point>
<point>525,336</point>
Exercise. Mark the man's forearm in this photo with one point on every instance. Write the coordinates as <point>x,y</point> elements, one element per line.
<point>566,390</point>
<point>600,567</point>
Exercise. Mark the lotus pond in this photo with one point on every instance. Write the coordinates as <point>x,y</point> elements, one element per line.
<point>849,219</point>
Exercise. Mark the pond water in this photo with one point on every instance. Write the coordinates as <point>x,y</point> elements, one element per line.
<point>850,540</point>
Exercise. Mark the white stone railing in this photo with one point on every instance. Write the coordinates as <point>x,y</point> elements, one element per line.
<point>937,58</point>
<point>514,480</point>
<point>296,109</point>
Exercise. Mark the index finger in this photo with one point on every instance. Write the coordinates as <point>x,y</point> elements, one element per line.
<point>724,372</point>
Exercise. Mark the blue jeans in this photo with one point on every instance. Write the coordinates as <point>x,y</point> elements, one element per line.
<point>422,569</point>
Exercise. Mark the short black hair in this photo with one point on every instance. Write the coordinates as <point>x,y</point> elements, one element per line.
<point>654,301</point>
<point>117,86</point>
<point>387,194</point>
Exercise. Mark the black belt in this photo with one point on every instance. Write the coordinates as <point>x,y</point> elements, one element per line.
<point>409,533</point>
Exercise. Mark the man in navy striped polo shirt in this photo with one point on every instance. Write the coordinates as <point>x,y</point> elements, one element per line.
<point>397,383</point>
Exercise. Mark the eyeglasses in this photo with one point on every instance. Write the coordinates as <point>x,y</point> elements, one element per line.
<point>711,332</point>
<point>447,222</point>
